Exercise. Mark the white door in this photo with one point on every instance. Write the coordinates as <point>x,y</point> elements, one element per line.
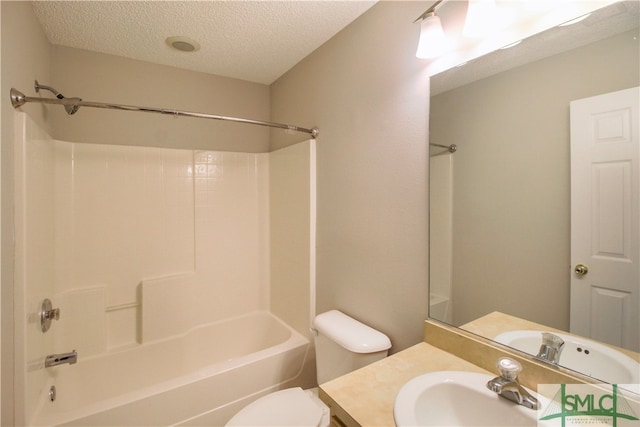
<point>605,218</point>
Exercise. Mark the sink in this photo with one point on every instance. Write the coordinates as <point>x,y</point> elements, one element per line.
<point>457,398</point>
<point>580,354</point>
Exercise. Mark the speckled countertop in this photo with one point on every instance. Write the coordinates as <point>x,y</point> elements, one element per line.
<point>365,397</point>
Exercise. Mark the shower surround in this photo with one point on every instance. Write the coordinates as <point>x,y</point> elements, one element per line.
<point>137,245</point>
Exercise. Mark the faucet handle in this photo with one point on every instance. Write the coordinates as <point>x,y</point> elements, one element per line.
<point>508,368</point>
<point>552,340</point>
<point>550,348</point>
<point>47,314</point>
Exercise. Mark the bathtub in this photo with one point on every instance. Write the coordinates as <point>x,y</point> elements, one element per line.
<point>202,377</point>
<point>439,308</point>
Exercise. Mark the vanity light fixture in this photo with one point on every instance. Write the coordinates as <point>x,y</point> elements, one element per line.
<point>432,40</point>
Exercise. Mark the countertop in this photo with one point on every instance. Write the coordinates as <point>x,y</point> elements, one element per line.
<point>365,397</point>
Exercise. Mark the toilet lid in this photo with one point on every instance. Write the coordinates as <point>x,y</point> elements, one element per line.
<point>289,407</point>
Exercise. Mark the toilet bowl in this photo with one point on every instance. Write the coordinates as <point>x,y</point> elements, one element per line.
<point>342,345</point>
<point>289,407</point>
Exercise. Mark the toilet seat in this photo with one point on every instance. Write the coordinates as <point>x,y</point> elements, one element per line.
<point>289,407</point>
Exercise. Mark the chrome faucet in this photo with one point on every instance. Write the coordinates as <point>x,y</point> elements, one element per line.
<point>59,359</point>
<point>507,385</point>
<point>551,348</point>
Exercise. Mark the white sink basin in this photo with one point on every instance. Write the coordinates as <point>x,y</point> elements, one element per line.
<point>456,398</point>
<point>580,354</point>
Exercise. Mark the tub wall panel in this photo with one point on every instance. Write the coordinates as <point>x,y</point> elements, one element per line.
<point>131,217</point>
<point>126,216</point>
<point>231,219</point>
<point>35,257</point>
<point>84,322</point>
<point>98,223</point>
<point>166,306</point>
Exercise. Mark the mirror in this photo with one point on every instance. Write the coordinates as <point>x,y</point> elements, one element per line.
<point>500,207</point>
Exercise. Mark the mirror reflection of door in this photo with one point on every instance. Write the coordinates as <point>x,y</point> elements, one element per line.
<point>605,218</point>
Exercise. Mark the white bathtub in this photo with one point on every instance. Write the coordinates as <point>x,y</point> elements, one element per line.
<point>202,377</point>
<point>439,308</point>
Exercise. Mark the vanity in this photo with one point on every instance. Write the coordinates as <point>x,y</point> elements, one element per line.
<point>366,397</point>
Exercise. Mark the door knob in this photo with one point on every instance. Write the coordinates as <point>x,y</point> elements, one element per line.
<point>581,270</point>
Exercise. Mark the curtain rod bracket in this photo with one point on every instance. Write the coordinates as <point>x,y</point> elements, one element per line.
<point>451,148</point>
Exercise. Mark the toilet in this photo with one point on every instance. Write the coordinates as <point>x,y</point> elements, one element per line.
<point>342,345</point>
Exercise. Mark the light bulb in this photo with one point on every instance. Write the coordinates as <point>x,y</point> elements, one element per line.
<point>432,40</point>
<point>481,15</point>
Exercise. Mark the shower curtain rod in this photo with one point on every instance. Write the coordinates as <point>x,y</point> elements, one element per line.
<point>18,99</point>
<point>452,148</point>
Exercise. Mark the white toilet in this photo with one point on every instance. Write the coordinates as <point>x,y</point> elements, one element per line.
<point>342,345</point>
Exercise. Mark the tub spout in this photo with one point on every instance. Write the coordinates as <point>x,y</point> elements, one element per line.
<point>59,359</point>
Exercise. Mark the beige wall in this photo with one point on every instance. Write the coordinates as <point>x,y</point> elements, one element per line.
<point>512,178</point>
<point>292,228</point>
<point>25,57</point>
<point>107,78</point>
<point>368,94</point>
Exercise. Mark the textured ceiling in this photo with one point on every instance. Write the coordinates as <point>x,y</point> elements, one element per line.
<point>256,41</point>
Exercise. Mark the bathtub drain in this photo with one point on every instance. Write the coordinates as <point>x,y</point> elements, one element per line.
<point>52,393</point>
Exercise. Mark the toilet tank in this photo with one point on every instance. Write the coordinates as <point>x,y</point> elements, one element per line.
<point>343,345</point>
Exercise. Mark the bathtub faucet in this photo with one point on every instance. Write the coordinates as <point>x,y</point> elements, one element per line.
<point>59,359</point>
